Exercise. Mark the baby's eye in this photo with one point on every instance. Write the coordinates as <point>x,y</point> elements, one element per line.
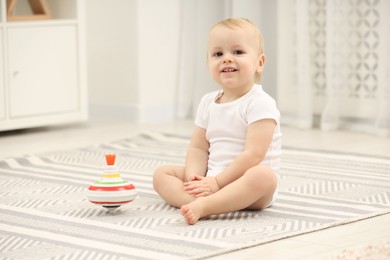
<point>218,54</point>
<point>238,52</point>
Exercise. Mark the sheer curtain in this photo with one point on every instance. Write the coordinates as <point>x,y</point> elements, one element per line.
<point>334,64</point>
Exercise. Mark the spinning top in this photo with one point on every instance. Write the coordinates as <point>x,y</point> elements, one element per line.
<point>111,191</point>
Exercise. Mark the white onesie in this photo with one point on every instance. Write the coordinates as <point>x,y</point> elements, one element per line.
<point>226,125</point>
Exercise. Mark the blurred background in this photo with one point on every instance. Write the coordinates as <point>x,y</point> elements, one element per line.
<point>327,61</point>
<point>144,61</point>
<point>147,59</point>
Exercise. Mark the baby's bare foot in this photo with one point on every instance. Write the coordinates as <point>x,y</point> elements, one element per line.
<point>192,211</point>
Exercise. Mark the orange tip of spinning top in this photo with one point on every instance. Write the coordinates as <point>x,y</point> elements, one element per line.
<point>110,159</point>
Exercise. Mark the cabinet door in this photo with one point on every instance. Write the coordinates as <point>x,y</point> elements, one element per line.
<point>2,89</point>
<point>43,70</point>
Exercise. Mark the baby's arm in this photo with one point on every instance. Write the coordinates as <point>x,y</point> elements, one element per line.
<point>258,139</point>
<point>197,154</point>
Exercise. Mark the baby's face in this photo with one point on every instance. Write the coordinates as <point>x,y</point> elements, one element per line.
<point>233,56</point>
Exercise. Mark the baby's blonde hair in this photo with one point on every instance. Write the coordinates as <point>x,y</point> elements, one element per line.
<point>233,23</point>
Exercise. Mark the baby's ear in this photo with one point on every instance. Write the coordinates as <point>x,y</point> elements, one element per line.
<point>261,64</point>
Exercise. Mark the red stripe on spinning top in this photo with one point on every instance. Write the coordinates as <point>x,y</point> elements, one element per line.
<point>108,188</point>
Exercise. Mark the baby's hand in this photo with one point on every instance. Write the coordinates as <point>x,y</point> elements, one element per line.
<point>200,186</point>
<point>193,177</point>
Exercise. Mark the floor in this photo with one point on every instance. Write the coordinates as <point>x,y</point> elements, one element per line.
<point>324,244</point>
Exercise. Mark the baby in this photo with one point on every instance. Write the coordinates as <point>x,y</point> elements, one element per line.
<point>233,158</point>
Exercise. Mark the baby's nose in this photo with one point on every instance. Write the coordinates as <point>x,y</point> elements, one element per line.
<point>227,60</point>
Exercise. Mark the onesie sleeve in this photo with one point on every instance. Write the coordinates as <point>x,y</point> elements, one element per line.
<point>262,107</point>
<point>200,118</point>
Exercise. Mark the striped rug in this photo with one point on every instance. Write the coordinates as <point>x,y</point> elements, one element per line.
<point>44,212</point>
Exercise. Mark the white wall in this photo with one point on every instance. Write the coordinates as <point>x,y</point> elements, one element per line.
<point>132,57</point>
<point>158,41</point>
<point>133,48</point>
<point>112,57</point>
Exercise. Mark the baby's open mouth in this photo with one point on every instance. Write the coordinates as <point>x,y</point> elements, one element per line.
<point>229,70</point>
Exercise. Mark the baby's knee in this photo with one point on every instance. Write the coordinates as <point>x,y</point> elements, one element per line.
<point>263,176</point>
<point>162,172</point>
<point>159,173</point>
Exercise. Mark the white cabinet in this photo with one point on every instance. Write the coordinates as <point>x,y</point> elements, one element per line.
<point>2,88</point>
<point>46,82</point>
<point>43,69</point>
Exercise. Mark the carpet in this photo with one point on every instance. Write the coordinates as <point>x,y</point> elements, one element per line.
<point>45,215</point>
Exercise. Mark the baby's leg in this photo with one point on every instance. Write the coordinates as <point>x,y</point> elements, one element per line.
<point>168,183</point>
<point>253,190</point>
